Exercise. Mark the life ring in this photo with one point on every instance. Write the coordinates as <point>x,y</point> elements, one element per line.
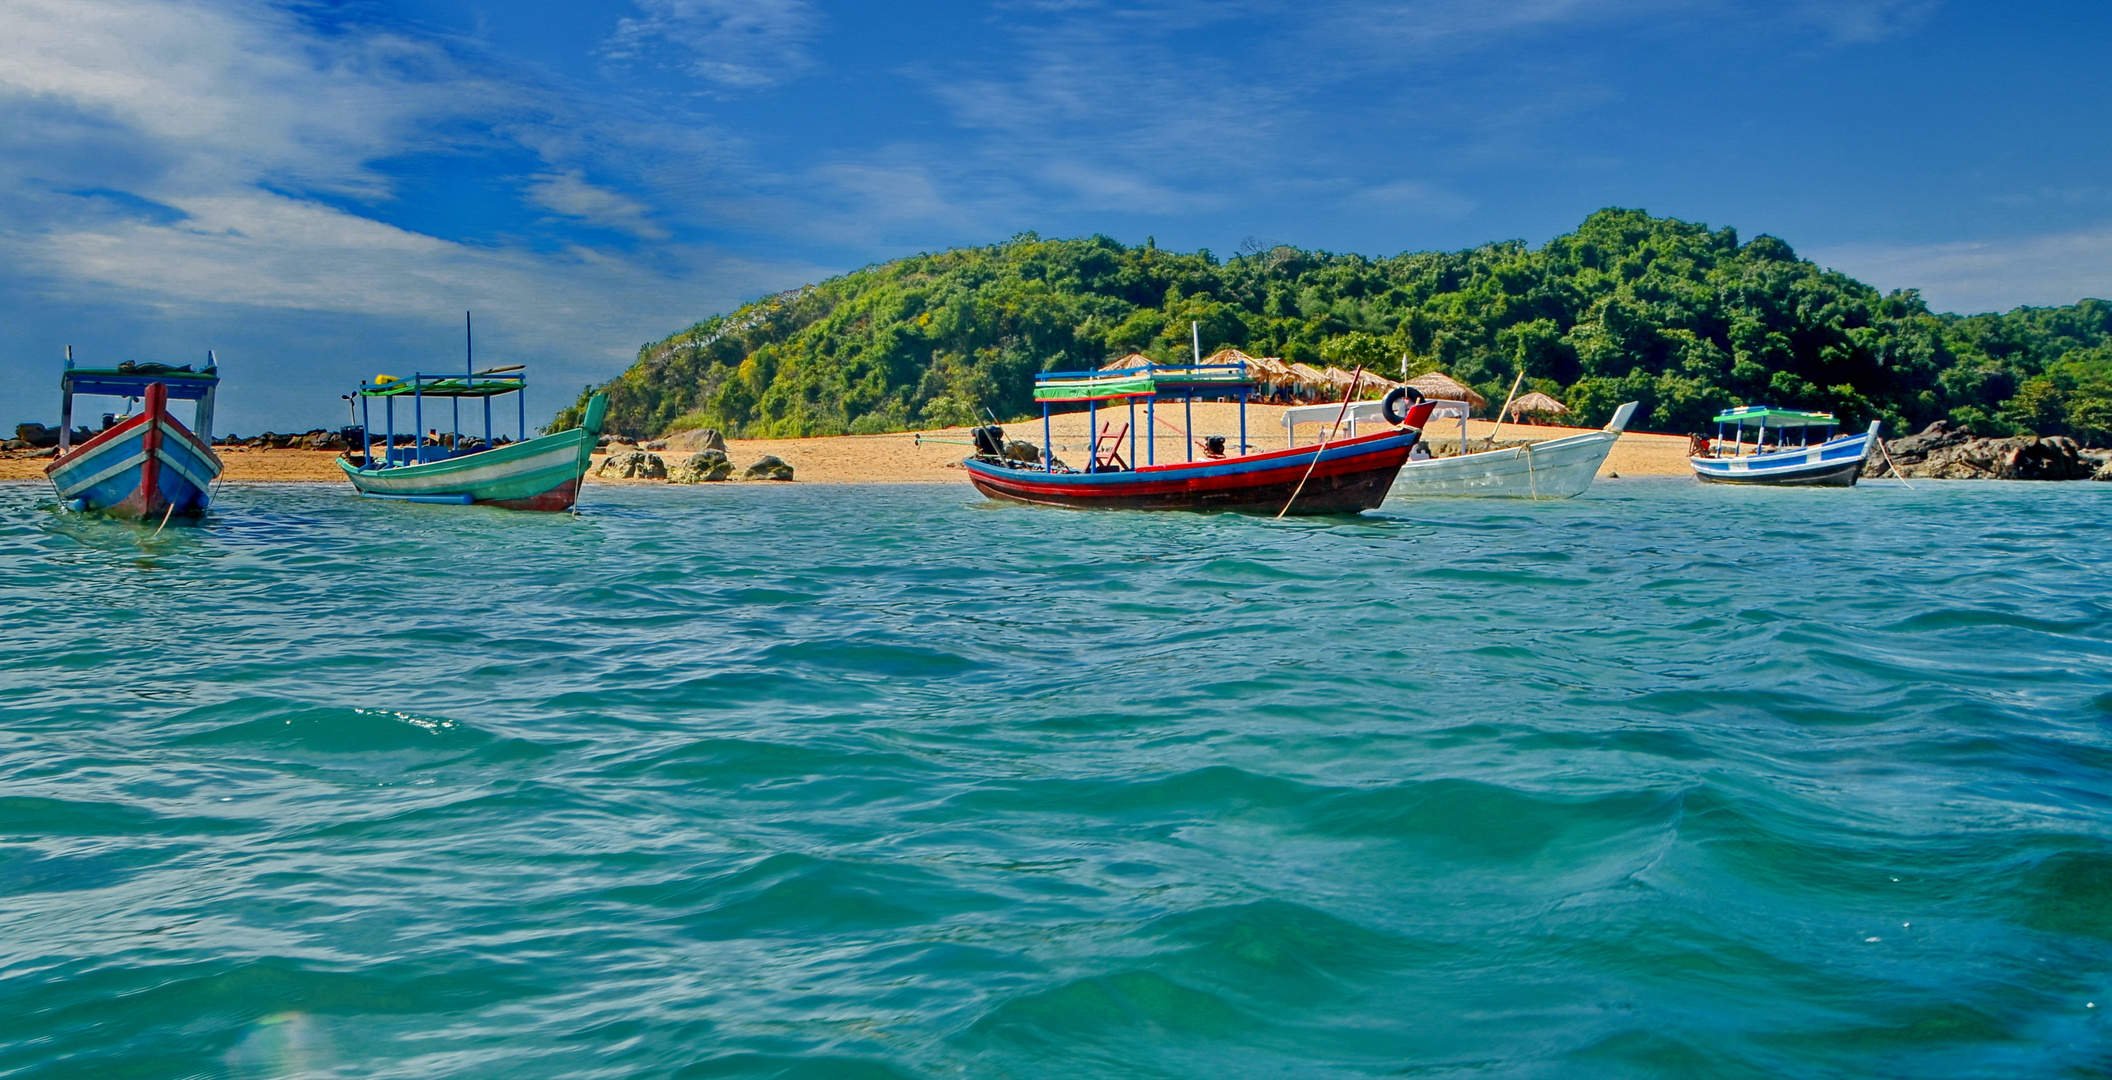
<point>1393,399</point>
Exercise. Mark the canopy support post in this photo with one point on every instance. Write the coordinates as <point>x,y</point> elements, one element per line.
<point>1132,433</point>
<point>418,414</point>
<point>1188,401</point>
<point>1092,434</point>
<point>366,431</point>
<point>1151,427</point>
<point>388,449</point>
<point>1048,449</point>
<point>1242,421</point>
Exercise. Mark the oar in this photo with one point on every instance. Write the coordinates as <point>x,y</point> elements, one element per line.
<point>1506,408</point>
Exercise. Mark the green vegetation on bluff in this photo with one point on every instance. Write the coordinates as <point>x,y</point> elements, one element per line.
<point>1681,317</point>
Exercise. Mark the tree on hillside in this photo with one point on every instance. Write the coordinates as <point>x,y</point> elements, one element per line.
<point>1686,319</point>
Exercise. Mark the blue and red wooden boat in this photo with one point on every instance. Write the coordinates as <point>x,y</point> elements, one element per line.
<point>1346,476</point>
<point>1830,462</point>
<point>146,466</point>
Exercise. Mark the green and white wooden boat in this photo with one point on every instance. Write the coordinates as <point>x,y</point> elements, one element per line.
<point>541,473</point>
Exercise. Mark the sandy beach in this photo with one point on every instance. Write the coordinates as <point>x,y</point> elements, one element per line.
<point>908,458</point>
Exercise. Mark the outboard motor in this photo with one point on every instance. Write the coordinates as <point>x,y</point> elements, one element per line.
<point>989,441</point>
<point>1214,446</point>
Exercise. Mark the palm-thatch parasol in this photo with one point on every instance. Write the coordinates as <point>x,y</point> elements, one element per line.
<point>1439,385</point>
<point>1133,360</point>
<point>1267,369</point>
<point>1310,382</point>
<point>1538,404</point>
<point>1367,385</point>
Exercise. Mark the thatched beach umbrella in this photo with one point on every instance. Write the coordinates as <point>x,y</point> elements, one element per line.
<point>1367,385</point>
<point>1310,382</point>
<point>1445,388</point>
<point>1537,404</point>
<point>1133,360</point>
<point>1267,369</point>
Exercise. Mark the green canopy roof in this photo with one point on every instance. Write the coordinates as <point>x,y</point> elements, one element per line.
<point>470,386</point>
<point>1134,382</point>
<point>1768,416</point>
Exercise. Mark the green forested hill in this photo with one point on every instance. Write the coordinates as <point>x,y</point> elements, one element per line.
<point>1684,318</point>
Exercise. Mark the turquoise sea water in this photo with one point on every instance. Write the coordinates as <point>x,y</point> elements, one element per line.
<point>814,782</point>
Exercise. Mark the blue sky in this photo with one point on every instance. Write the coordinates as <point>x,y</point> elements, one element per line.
<point>319,190</point>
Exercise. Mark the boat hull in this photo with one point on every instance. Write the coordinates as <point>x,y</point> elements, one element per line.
<point>150,467</point>
<point>542,473</point>
<point>1835,463</point>
<point>1556,469</point>
<point>1345,477</point>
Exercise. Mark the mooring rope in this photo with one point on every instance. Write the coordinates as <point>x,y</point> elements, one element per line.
<point>1347,396</point>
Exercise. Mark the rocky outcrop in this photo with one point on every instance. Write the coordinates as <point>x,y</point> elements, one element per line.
<point>696,439</point>
<point>2104,470</point>
<point>633,465</point>
<point>37,435</point>
<point>1942,451</point>
<point>706,467</point>
<point>768,467</point>
<point>317,439</point>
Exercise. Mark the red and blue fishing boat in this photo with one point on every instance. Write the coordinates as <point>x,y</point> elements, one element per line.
<point>1344,476</point>
<point>147,465</point>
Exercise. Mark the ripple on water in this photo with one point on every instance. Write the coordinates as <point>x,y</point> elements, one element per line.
<point>890,782</point>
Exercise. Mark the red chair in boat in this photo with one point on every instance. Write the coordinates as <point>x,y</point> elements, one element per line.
<point>1107,449</point>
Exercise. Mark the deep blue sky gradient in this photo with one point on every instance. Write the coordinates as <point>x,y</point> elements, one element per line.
<point>319,191</point>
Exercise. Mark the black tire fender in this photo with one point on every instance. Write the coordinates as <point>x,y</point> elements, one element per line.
<point>1390,408</point>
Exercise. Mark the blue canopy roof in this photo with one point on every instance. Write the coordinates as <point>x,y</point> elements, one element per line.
<point>116,382</point>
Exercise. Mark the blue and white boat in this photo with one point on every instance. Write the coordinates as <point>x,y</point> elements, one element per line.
<point>148,465</point>
<point>1790,460</point>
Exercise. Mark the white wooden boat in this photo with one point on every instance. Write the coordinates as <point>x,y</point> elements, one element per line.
<point>1556,469</point>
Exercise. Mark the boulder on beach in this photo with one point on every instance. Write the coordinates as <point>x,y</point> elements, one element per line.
<point>654,445</point>
<point>706,467</point>
<point>633,465</point>
<point>768,467</point>
<point>37,435</point>
<point>702,438</point>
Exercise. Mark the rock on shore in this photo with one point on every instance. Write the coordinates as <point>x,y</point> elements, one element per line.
<point>1942,451</point>
<point>697,439</point>
<point>707,467</point>
<point>633,465</point>
<point>768,467</point>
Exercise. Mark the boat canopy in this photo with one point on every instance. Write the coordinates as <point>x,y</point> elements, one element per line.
<point>489,382</point>
<point>486,383</point>
<point>132,380</point>
<point>1149,380</point>
<point>1768,416</point>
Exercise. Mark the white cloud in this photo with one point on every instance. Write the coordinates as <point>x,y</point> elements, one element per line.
<point>207,166</point>
<point>1864,21</point>
<point>737,44</point>
<point>1986,275</point>
<point>570,194</point>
